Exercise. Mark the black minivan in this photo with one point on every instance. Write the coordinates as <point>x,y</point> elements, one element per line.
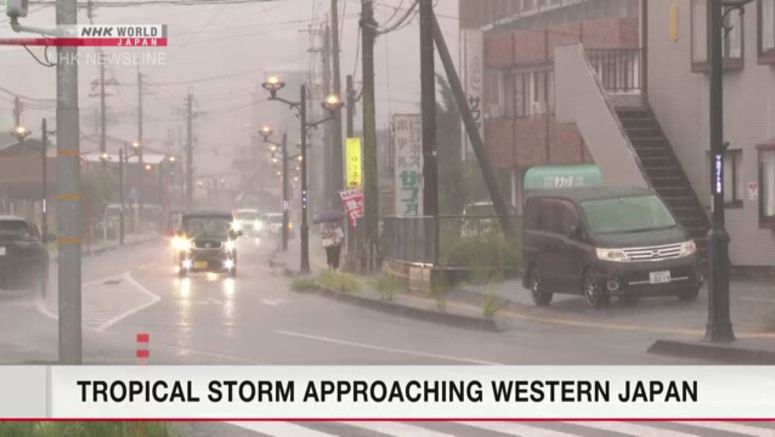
<point>605,242</point>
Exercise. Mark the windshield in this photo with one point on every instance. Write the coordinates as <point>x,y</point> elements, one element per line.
<point>214,226</point>
<point>627,214</point>
<point>14,229</point>
<point>246,215</point>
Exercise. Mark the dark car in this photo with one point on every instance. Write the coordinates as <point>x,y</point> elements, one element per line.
<point>208,243</point>
<point>606,242</point>
<point>23,255</point>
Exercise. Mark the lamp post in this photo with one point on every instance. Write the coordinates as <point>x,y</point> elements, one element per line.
<point>719,327</point>
<point>137,149</point>
<point>332,104</point>
<point>121,176</point>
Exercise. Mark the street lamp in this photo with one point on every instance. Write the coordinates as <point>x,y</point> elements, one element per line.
<point>332,104</point>
<point>21,133</point>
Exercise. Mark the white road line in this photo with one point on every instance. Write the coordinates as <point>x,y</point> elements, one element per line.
<point>154,299</point>
<point>280,429</point>
<point>384,349</point>
<point>633,429</point>
<point>398,429</point>
<point>734,428</point>
<point>272,302</point>
<point>517,429</point>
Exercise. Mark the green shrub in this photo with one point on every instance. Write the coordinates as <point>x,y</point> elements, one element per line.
<point>303,284</point>
<point>489,251</point>
<point>86,429</point>
<point>389,286</point>
<point>491,304</point>
<point>337,281</point>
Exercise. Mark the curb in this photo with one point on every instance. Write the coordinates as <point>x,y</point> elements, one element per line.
<point>706,351</point>
<point>425,315</point>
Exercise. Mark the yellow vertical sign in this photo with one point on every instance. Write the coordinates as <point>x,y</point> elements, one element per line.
<point>353,163</point>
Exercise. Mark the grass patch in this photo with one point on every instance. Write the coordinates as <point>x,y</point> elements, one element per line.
<point>303,284</point>
<point>438,293</point>
<point>337,281</point>
<point>86,429</point>
<point>388,286</point>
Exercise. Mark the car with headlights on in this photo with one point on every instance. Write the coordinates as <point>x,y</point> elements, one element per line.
<point>24,258</point>
<point>207,242</point>
<point>274,222</point>
<point>606,242</point>
<point>249,222</point>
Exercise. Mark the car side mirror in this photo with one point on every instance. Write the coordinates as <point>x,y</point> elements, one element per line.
<point>575,232</point>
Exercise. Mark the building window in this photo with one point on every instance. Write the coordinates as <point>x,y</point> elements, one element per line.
<point>767,186</point>
<point>528,93</point>
<point>766,31</point>
<point>732,49</point>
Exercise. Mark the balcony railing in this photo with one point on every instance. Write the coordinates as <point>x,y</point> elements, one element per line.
<point>619,70</point>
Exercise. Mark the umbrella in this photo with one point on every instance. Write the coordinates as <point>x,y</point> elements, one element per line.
<point>328,216</point>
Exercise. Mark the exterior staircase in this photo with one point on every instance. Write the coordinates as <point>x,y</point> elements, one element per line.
<point>664,172</point>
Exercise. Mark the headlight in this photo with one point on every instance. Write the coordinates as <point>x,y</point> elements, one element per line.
<point>181,243</point>
<point>258,225</point>
<point>616,255</point>
<point>290,226</point>
<point>230,245</point>
<point>235,226</point>
<point>688,248</point>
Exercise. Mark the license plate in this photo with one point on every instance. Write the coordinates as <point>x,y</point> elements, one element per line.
<point>200,265</point>
<point>2,251</point>
<point>662,277</point>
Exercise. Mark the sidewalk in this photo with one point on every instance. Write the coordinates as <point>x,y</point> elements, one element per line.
<point>102,246</point>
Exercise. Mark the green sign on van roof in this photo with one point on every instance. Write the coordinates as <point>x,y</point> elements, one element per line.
<point>568,176</point>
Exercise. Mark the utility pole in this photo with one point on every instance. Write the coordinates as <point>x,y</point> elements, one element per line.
<point>103,140</point>
<point>17,111</point>
<point>44,177</point>
<point>189,153</point>
<point>338,142</point>
<point>140,191</point>
<point>286,219</point>
<point>69,196</point>
<point>350,108</point>
<point>121,177</point>
<point>371,187</point>
<point>428,87</point>
<point>719,327</point>
<point>329,145</point>
<point>304,188</point>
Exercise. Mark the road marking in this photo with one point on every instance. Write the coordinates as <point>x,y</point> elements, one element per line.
<point>517,429</point>
<point>397,429</point>
<point>734,428</point>
<point>272,302</point>
<point>385,349</point>
<point>632,429</point>
<point>280,429</point>
<point>154,299</point>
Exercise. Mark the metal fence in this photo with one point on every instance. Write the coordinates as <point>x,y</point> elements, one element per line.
<point>619,70</point>
<point>450,241</point>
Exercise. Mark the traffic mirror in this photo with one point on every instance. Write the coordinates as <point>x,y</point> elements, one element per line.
<point>16,8</point>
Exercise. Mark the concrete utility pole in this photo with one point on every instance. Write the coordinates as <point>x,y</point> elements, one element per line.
<point>286,192</point>
<point>44,176</point>
<point>121,188</point>
<point>69,196</point>
<point>428,87</point>
<point>371,182</point>
<point>337,155</point>
<point>103,134</point>
<point>328,149</point>
<point>304,267</point>
<point>189,153</point>
<point>141,179</point>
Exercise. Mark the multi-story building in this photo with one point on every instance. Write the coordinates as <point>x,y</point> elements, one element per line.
<point>678,79</point>
<point>518,101</point>
<point>624,84</point>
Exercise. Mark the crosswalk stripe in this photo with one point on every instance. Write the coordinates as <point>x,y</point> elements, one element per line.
<point>517,429</point>
<point>632,429</point>
<point>280,429</point>
<point>398,429</point>
<point>734,427</point>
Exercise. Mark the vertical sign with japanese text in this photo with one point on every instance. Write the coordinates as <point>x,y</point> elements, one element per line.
<point>408,165</point>
<point>353,204</point>
<point>472,50</point>
<point>353,163</point>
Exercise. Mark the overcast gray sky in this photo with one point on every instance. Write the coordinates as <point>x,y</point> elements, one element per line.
<point>238,41</point>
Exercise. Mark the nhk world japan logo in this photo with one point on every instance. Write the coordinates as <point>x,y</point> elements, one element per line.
<point>108,35</point>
